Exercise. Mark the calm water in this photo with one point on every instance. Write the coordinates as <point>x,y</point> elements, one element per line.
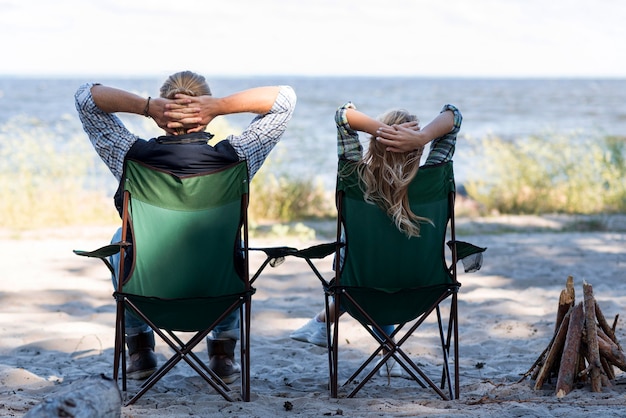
<point>512,109</point>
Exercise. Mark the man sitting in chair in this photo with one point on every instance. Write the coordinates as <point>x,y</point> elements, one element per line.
<point>183,110</point>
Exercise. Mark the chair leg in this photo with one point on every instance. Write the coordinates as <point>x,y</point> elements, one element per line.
<point>333,349</point>
<point>455,319</point>
<point>182,351</point>
<point>245,313</point>
<point>119,346</point>
<point>445,351</point>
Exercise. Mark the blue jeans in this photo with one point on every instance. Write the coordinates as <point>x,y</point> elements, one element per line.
<point>387,328</point>
<point>228,328</point>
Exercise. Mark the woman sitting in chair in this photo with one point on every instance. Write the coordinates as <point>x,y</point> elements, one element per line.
<point>391,162</point>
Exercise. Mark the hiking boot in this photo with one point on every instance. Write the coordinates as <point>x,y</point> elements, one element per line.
<point>143,361</point>
<point>222,359</point>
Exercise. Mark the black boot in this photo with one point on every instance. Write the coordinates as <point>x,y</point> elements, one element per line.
<point>143,361</point>
<point>222,359</point>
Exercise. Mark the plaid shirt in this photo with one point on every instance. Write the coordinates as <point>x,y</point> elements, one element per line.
<point>349,147</point>
<point>112,140</point>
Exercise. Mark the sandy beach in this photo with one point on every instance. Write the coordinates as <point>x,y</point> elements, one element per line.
<point>57,323</point>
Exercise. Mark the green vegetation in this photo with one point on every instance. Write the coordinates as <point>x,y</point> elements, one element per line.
<point>568,174</point>
<point>50,179</point>
<point>43,179</point>
<point>286,198</point>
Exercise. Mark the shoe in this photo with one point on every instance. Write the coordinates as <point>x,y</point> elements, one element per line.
<point>390,369</point>
<point>143,361</point>
<point>313,332</point>
<point>222,359</point>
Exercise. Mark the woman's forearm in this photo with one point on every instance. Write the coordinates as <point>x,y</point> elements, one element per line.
<point>361,122</point>
<point>441,125</point>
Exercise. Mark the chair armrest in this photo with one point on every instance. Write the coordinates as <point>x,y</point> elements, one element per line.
<point>469,254</point>
<point>319,251</point>
<point>276,255</point>
<point>104,252</point>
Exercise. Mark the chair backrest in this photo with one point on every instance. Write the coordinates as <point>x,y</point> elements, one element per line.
<point>187,235</point>
<point>395,278</point>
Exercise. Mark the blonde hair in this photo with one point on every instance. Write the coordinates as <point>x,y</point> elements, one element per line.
<point>386,177</point>
<point>184,82</point>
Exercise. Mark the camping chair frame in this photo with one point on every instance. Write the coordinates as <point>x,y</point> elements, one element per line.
<point>182,350</point>
<point>342,295</point>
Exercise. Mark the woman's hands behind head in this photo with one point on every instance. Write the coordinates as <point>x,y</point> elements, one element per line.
<point>405,137</point>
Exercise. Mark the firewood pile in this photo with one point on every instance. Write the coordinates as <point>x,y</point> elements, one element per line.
<point>583,350</point>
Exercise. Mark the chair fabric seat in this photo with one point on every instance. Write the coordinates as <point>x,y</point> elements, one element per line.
<point>186,240</point>
<point>396,277</point>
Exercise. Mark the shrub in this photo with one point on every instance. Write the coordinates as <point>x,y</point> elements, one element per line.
<point>286,198</point>
<point>44,176</point>
<point>49,178</point>
<point>570,174</point>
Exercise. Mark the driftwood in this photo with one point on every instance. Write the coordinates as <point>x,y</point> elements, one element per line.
<point>566,301</point>
<point>584,348</point>
<point>593,354</point>
<point>97,397</point>
<point>611,351</point>
<point>571,352</point>
<point>554,352</point>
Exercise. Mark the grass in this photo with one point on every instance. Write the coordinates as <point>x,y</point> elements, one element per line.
<point>49,179</point>
<point>44,179</point>
<point>569,174</point>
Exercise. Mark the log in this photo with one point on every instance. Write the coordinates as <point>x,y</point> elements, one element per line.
<point>95,397</point>
<point>607,367</point>
<point>571,351</point>
<point>581,364</point>
<point>615,323</point>
<point>611,351</point>
<point>604,326</point>
<point>584,347</point>
<point>554,352</point>
<point>595,374</point>
<point>534,370</point>
<point>566,301</point>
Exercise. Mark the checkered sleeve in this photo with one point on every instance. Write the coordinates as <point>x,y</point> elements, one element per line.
<point>348,144</point>
<point>259,138</point>
<point>107,133</point>
<point>442,148</point>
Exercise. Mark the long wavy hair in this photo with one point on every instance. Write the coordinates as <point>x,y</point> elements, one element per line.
<point>184,82</point>
<point>386,177</point>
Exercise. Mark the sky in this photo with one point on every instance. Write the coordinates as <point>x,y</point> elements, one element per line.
<point>425,38</point>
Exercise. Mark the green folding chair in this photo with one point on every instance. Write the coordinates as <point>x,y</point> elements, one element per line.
<point>382,277</point>
<point>189,241</point>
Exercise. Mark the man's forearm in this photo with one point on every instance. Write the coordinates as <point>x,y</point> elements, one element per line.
<point>257,100</point>
<point>112,100</point>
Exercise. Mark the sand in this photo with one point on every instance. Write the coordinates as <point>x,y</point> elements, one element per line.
<point>57,316</point>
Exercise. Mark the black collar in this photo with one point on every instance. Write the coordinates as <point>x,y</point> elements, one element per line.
<point>192,138</point>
